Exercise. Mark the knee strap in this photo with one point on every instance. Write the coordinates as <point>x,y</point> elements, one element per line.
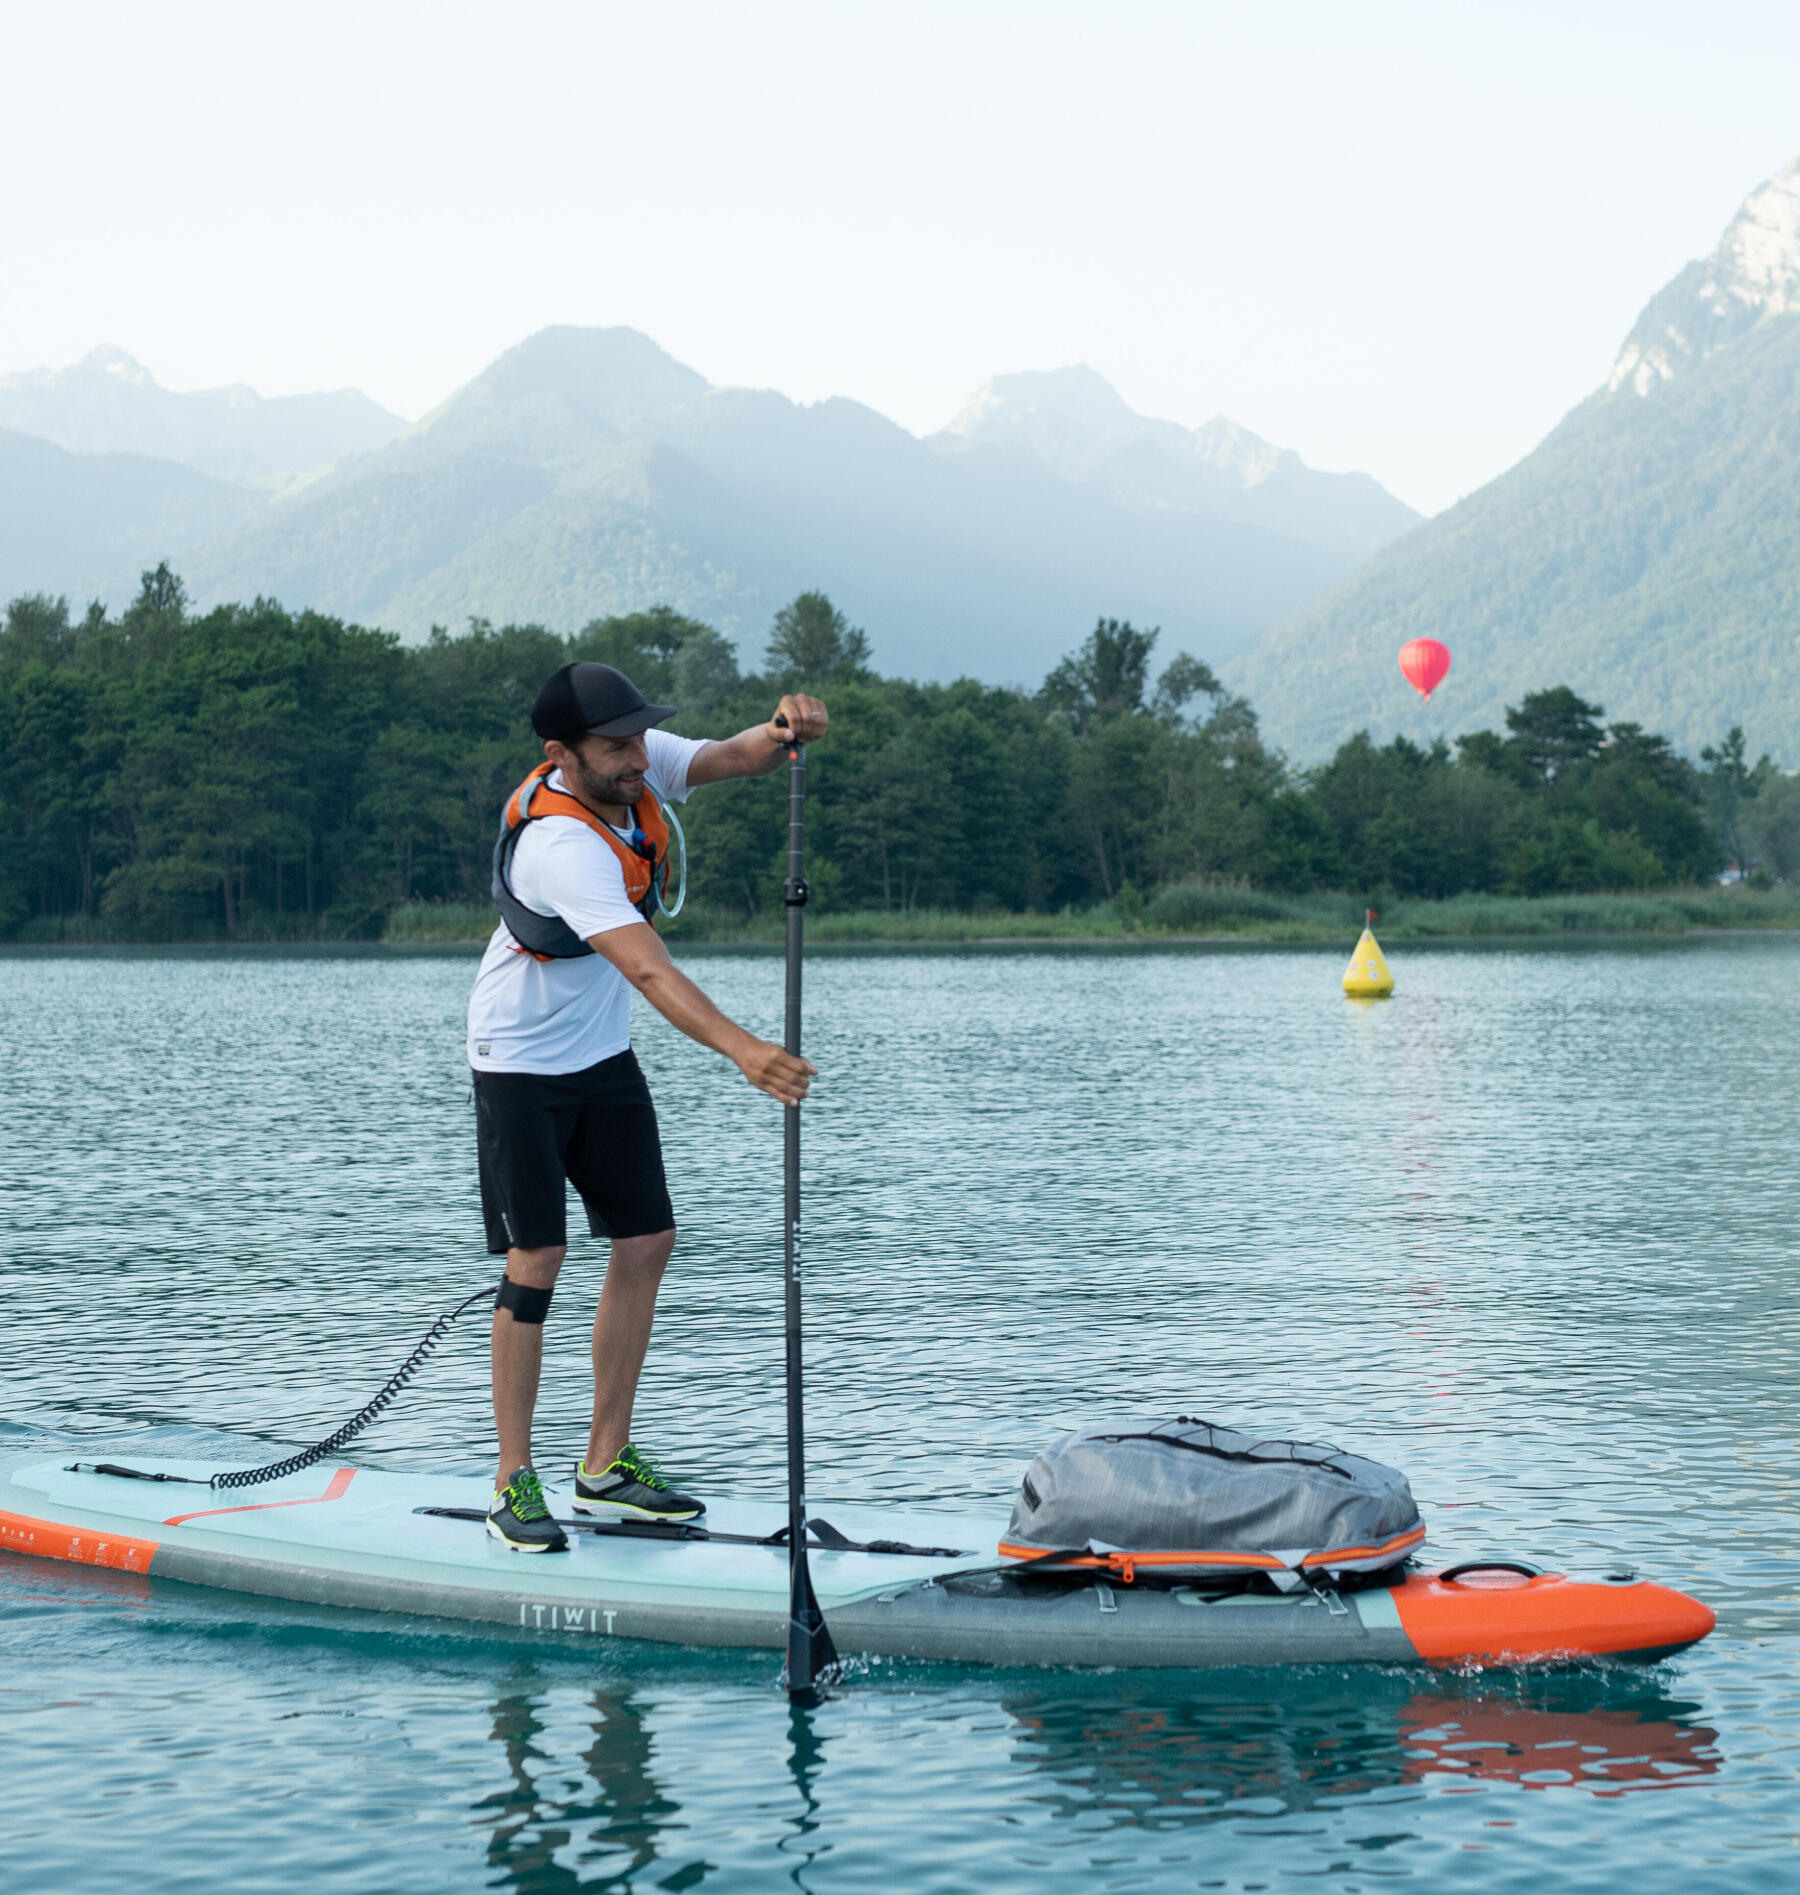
<point>528,1305</point>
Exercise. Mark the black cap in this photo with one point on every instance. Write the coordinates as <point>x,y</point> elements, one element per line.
<point>592,697</point>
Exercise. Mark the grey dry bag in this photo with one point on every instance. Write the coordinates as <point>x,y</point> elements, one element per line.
<point>1182,1499</point>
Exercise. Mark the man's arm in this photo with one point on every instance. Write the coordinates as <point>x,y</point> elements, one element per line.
<point>761,748</point>
<point>638,953</point>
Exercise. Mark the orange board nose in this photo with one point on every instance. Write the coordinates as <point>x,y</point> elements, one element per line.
<point>1549,1616</point>
<point>19,1533</point>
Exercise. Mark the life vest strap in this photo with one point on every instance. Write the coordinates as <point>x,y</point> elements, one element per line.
<point>645,864</point>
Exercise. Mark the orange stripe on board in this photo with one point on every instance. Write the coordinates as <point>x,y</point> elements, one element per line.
<point>50,1539</point>
<point>339,1481</point>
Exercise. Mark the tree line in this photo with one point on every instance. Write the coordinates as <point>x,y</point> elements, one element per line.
<point>249,772</point>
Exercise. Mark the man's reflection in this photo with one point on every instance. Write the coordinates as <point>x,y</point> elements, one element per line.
<point>599,1818</point>
<point>558,1828</point>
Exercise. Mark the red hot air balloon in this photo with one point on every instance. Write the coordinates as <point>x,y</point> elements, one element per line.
<point>1425,663</point>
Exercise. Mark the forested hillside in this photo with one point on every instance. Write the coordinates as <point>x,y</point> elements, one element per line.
<point>1647,553</point>
<point>88,513</point>
<point>252,773</point>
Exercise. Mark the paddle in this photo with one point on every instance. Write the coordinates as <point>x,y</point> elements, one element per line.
<point>810,1652</point>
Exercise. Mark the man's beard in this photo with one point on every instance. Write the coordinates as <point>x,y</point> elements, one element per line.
<point>592,787</point>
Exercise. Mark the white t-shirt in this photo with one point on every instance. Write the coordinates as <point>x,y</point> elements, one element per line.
<point>529,1016</point>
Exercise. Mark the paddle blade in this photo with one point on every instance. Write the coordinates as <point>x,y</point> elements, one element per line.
<point>811,1656</point>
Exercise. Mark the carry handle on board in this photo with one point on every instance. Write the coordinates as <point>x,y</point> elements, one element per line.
<point>810,1652</point>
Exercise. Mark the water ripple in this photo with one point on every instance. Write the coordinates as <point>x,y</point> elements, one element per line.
<point>1529,1230</point>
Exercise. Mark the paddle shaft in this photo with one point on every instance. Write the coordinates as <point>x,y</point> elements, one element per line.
<point>810,1650</point>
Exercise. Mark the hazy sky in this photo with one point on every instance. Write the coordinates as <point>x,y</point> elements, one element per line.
<point>1401,237</point>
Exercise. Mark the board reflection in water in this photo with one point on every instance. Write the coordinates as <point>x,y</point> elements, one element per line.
<point>595,1799</point>
<point>1269,1740</point>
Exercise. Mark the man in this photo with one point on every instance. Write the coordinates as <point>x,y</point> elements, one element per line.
<point>559,1099</point>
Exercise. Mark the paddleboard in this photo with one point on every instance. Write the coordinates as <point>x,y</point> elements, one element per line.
<point>414,1544</point>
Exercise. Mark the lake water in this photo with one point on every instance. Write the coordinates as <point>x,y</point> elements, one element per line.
<point>1529,1230</point>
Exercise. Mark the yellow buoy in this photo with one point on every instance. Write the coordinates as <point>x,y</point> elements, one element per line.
<point>1367,976</point>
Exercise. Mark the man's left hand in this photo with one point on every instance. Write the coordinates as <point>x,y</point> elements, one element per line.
<point>806,720</point>
<point>759,748</point>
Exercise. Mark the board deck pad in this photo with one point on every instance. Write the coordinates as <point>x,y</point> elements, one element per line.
<point>372,1539</point>
<point>371,1520</point>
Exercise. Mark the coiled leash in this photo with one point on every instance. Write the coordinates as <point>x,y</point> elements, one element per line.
<point>307,1457</point>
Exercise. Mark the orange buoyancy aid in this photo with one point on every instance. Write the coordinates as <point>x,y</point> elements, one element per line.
<point>645,863</point>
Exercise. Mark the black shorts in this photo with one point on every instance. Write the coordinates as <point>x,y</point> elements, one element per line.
<point>538,1133</point>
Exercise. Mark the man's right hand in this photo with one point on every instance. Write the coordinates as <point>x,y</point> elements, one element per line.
<point>641,956</point>
<point>776,1071</point>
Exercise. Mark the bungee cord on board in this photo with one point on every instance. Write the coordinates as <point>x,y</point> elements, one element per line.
<point>232,1477</point>
<point>277,1470</point>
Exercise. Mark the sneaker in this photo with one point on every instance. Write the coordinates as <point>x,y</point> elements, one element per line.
<point>632,1486</point>
<point>520,1517</point>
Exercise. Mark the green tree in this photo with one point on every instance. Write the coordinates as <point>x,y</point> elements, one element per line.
<point>1638,786</point>
<point>1730,785</point>
<point>1185,680</point>
<point>811,642</point>
<point>55,759</point>
<point>1553,731</point>
<point>37,631</point>
<point>1574,855</point>
<point>1772,820</point>
<point>1106,679</point>
<point>669,657</point>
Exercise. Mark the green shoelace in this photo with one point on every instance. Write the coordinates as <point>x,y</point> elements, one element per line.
<point>525,1495</point>
<point>641,1469</point>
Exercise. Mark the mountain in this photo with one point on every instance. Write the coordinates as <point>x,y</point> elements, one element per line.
<point>1647,552</point>
<point>586,471</point>
<point>66,518</point>
<point>1077,424</point>
<point>108,404</point>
